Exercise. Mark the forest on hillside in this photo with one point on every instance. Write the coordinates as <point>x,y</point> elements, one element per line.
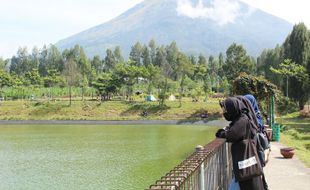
<point>161,70</point>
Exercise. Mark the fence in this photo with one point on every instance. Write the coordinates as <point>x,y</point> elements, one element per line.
<point>209,168</point>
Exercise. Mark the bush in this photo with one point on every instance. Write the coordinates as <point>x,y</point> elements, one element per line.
<point>259,87</point>
<point>286,105</point>
<point>163,96</point>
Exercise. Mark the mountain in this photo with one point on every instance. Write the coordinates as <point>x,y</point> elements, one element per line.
<point>198,26</point>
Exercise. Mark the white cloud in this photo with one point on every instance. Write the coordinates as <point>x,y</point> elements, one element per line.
<point>220,11</point>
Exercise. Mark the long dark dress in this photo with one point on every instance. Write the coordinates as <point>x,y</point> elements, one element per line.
<point>234,133</point>
<point>233,110</point>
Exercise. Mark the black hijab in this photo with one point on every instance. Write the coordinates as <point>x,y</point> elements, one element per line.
<point>249,110</point>
<point>233,108</point>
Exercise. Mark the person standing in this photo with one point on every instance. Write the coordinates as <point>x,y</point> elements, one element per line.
<point>264,143</point>
<point>239,129</point>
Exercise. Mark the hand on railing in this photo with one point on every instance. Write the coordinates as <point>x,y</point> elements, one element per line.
<point>220,133</point>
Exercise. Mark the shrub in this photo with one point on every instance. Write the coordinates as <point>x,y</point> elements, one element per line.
<point>285,105</point>
<point>259,87</point>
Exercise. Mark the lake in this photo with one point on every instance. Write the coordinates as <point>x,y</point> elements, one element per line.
<point>93,157</point>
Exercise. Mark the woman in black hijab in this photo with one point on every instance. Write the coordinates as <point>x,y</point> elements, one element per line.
<point>235,112</point>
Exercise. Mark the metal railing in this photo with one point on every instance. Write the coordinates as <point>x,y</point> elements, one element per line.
<point>208,168</point>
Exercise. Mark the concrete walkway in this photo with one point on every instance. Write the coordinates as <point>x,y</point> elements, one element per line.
<point>286,174</point>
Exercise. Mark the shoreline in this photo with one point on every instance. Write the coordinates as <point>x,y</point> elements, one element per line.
<point>222,123</point>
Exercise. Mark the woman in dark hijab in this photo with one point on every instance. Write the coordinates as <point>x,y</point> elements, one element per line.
<point>254,115</point>
<point>235,112</point>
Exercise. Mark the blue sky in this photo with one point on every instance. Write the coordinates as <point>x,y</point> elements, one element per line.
<point>37,22</point>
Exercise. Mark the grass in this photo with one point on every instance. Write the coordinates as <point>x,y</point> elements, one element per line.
<point>109,110</point>
<point>296,134</point>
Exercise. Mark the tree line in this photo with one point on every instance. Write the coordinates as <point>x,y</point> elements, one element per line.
<point>288,65</point>
<point>161,69</point>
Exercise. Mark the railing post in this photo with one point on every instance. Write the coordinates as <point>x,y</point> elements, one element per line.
<point>226,165</point>
<point>201,171</point>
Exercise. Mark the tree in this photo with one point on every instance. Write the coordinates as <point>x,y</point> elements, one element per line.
<point>290,69</point>
<point>172,53</point>
<point>152,76</point>
<point>202,60</point>
<point>33,78</point>
<point>128,75</point>
<point>152,46</point>
<point>200,69</point>
<point>35,58</point>
<point>161,56</point>
<point>106,85</point>
<point>166,72</point>
<point>183,69</point>
<point>110,62</point>
<point>237,61</point>
<point>72,76</point>
<point>297,45</point>
<point>213,72</point>
<point>297,48</point>
<point>201,74</point>
<point>54,60</point>
<point>85,68</point>
<point>220,65</point>
<point>270,58</point>
<point>146,56</point>
<point>3,64</point>
<point>21,63</point>
<point>52,79</point>
<point>5,79</point>
<point>43,60</point>
<point>259,87</point>
<point>118,55</point>
<point>97,65</point>
<point>136,54</point>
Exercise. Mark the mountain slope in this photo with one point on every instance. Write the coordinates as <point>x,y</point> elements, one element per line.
<point>198,26</point>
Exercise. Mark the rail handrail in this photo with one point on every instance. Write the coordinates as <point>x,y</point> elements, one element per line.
<point>208,168</point>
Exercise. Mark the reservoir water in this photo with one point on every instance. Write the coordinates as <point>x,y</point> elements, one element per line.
<point>93,157</point>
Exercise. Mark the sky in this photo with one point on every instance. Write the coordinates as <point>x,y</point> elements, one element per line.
<point>37,22</point>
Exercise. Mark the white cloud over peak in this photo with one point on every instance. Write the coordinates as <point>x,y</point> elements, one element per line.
<point>220,11</point>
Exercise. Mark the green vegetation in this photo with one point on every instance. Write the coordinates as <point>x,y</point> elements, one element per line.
<point>296,133</point>
<point>262,89</point>
<point>291,70</point>
<point>58,109</point>
<point>159,70</point>
<point>288,62</point>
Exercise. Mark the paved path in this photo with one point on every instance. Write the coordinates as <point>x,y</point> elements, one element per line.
<point>286,174</point>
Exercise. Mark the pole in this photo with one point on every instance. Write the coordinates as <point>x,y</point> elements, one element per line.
<point>271,110</point>
<point>272,103</point>
<point>286,85</point>
<point>201,171</point>
<point>70,95</point>
<point>227,178</point>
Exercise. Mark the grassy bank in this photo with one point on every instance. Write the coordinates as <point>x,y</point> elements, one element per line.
<point>110,110</point>
<point>296,133</point>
